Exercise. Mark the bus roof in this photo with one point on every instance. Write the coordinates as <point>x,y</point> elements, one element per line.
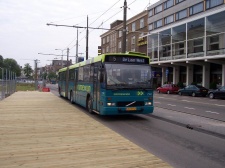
<point>102,59</point>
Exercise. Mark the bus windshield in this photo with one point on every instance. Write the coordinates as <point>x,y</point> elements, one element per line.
<point>128,76</point>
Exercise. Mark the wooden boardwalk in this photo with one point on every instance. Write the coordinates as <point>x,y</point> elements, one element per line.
<point>38,129</point>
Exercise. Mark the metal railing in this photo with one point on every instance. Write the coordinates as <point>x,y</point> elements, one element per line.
<point>7,83</point>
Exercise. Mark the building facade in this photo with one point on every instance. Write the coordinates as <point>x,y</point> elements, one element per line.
<point>137,27</point>
<point>186,41</point>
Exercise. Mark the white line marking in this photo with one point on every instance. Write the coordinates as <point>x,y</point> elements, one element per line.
<point>186,100</point>
<point>189,108</point>
<point>212,112</point>
<point>219,105</point>
<point>171,105</point>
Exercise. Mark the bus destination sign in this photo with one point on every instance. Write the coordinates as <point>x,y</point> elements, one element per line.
<point>127,59</point>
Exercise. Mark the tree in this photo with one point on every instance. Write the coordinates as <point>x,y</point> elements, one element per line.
<point>52,76</point>
<point>1,66</point>
<point>27,70</point>
<point>1,61</point>
<point>12,65</point>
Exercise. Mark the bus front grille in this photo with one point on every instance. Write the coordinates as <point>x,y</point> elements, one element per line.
<point>130,104</point>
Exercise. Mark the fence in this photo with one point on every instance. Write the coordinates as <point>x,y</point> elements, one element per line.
<point>7,83</point>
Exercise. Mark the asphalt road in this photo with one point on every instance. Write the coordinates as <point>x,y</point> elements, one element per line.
<point>167,134</point>
<point>201,106</point>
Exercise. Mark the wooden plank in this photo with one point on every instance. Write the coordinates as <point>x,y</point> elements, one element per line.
<point>38,129</point>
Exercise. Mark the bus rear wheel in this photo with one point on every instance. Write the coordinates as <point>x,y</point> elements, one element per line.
<point>71,97</point>
<point>89,105</point>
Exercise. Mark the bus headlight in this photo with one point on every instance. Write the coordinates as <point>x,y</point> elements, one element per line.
<point>148,103</point>
<point>111,104</point>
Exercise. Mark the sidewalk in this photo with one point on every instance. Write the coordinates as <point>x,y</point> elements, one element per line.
<point>38,129</point>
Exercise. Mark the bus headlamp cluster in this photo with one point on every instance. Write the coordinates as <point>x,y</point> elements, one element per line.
<point>148,103</point>
<point>111,104</point>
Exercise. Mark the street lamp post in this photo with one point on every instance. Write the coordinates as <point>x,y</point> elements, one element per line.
<point>62,55</point>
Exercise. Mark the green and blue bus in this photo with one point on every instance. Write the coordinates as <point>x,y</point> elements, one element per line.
<point>90,84</point>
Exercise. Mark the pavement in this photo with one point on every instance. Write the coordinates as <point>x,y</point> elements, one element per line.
<point>39,129</point>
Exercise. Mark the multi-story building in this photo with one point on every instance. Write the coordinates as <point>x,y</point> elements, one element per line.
<point>186,41</point>
<point>137,27</point>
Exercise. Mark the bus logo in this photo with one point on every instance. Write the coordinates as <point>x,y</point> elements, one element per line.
<point>140,93</point>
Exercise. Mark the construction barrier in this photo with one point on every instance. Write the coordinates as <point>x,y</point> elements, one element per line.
<point>45,89</point>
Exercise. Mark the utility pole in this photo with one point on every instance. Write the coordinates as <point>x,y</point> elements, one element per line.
<point>35,74</point>
<point>77,48</point>
<point>87,40</point>
<point>124,26</point>
<point>67,74</point>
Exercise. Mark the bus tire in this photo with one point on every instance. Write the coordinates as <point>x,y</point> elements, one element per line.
<point>89,105</point>
<point>71,97</point>
<point>60,92</point>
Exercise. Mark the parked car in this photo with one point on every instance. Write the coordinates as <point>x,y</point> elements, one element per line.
<point>218,93</point>
<point>168,88</point>
<point>193,90</point>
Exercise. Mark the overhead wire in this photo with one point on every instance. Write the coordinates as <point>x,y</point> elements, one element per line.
<point>97,19</point>
<point>102,21</point>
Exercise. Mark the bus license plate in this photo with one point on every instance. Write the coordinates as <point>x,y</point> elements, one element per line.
<point>131,108</point>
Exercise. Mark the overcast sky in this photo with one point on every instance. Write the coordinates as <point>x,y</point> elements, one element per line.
<point>24,33</point>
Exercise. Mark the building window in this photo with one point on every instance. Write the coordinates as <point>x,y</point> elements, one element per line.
<point>214,43</point>
<point>107,49</point>
<point>107,39</point>
<point>103,40</point>
<point>196,8</point>
<point>198,45</point>
<point>179,41</point>
<point>195,36</point>
<point>142,23</point>
<point>181,14</point>
<point>150,27</point>
<point>120,33</point>
<point>168,4</point>
<point>119,45</point>
<point>133,40</point>
<point>165,44</point>
<point>215,26</point>
<point>158,9</point>
<point>169,19</point>
<point>179,1</point>
<point>158,23</point>
<point>213,3</point>
<point>150,13</point>
<point>133,26</point>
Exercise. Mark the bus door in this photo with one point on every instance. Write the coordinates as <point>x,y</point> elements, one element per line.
<point>75,85</point>
<point>96,88</point>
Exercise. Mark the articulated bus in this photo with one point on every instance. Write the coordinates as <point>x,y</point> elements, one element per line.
<point>110,84</point>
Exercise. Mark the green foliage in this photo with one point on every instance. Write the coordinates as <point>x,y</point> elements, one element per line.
<point>52,75</point>
<point>11,64</point>
<point>44,75</point>
<point>27,70</point>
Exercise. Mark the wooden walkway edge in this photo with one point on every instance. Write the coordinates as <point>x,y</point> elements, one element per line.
<point>38,129</point>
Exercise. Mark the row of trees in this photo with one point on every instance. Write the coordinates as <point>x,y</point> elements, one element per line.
<point>13,66</point>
